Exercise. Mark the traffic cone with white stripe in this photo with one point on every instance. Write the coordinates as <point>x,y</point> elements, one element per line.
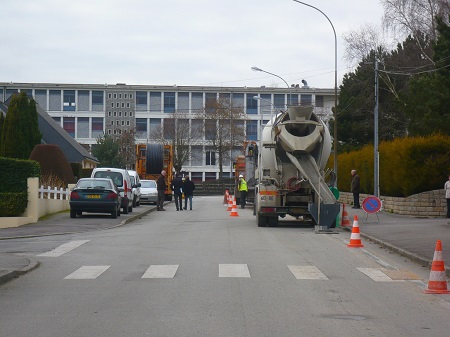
<point>225,198</point>
<point>344,221</point>
<point>230,203</point>
<point>355,238</point>
<point>437,284</point>
<point>234,208</point>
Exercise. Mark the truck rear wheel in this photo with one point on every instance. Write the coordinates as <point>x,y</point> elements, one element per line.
<point>272,221</point>
<point>261,220</point>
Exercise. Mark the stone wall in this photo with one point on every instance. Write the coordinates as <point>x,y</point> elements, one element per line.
<point>425,204</point>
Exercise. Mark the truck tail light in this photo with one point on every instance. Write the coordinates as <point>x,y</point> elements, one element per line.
<point>268,209</point>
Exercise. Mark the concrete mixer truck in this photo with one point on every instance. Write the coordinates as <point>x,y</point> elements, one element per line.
<point>296,146</point>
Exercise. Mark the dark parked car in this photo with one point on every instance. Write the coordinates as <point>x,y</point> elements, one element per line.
<point>95,195</point>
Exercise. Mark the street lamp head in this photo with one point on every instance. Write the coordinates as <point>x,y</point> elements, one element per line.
<point>256,69</point>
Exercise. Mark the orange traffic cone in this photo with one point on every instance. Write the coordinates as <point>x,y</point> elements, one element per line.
<point>344,221</point>
<point>225,198</point>
<point>234,208</point>
<point>355,239</point>
<point>230,203</point>
<point>437,284</point>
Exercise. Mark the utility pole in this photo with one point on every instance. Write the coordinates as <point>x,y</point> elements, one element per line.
<point>376,183</point>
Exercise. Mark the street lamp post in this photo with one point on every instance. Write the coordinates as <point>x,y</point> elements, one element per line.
<point>281,78</point>
<point>335,152</point>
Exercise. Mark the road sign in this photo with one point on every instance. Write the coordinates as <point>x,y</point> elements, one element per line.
<point>371,204</point>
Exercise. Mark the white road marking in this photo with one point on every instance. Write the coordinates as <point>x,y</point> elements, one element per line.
<point>67,247</point>
<point>87,273</point>
<point>307,273</point>
<point>377,274</point>
<point>233,270</point>
<point>161,271</point>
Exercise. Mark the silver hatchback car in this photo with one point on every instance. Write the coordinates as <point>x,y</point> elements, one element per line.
<point>149,193</point>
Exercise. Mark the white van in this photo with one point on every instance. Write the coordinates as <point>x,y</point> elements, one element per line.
<point>136,183</point>
<point>122,179</point>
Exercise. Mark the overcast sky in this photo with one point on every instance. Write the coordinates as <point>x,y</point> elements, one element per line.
<point>168,42</point>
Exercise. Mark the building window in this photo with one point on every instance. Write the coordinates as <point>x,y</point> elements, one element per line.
<point>125,114</point>
<point>131,113</point>
<point>128,123</point>
<point>169,128</point>
<point>319,101</point>
<point>141,127</point>
<point>83,127</point>
<point>69,100</point>
<point>97,127</point>
<point>210,158</point>
<point>141,100</point>
<point>252,130</point>
<point>109,113</point>
<point>210,129</point>
<point>210,102</point>
<point>109,95</point>
<point>120,113</point>
<point>252,104</point>
<point>278,101</point>
<point>169,102</point>
<point>210,176</point>
<point>54,100</point>
<point>115,96</point>
<point>155,128</point>
<point>97,100</point>
<point>196,156</point>
<point>69,125</point>
<point>305,99</point>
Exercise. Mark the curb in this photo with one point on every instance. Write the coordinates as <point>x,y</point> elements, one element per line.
<point>413,257</point>
<point>10,275</point>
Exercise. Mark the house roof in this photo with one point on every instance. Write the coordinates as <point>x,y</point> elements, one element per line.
<point>53,133</point>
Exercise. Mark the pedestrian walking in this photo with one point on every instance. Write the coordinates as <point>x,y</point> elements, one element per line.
<point>176,187</point>
<point>161,188</point>
<point>242,187</point>
<point>188,190</point>
<point>447,195</point>
<point>355,187</point>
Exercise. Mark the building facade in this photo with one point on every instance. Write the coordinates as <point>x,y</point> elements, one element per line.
<point>88,111</point>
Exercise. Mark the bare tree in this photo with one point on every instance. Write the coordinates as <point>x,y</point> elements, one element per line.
<point>416,18</point>
<point>224,126</point>
<point>127,148</point>
<point>359,43</point>
<point>179,131</point>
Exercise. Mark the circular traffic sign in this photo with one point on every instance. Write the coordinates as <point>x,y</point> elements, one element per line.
<point>371,204</point>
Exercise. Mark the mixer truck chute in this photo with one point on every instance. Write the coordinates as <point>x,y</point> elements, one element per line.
<point>296,146</point>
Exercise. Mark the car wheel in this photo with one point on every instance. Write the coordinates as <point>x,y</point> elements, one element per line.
<point>130,208</point>
<point>114,214</point>
<point>125,209</point>
<point>134,202</point>
<point>138,203</point>
<point>73,214</point>
<point>118,211</point>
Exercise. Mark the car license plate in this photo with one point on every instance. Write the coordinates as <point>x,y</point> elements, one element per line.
<point>93,196</point>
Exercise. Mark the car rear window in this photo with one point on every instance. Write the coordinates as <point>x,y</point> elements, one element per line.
<point>116,177</point>
<point>94,184</point>
<point>148,184</point>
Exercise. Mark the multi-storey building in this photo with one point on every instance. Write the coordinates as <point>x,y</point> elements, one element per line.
<point>87,111</point>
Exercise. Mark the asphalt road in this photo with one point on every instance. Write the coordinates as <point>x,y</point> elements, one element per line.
<point>205,273</point>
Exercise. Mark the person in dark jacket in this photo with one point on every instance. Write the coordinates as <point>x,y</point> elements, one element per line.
<point>161,187</point>
<point>188,190</point>
<point>176,186</point>
<point>355,187</point>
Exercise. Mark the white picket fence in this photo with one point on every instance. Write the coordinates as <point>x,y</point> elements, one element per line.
<point>54,193</point>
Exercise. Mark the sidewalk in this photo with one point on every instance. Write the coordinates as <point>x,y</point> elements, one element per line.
<point>412,237</point>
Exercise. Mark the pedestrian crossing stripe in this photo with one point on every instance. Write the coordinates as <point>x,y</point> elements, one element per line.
<point>239,271</point>
<point>87,273</point>
<point>233,270</point>
<point>161,271</point>
<point>307,273</point>
<point>377,274</point>
<point>64,248</point>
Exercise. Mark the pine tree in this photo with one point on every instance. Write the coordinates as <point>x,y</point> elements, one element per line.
<point>20,132</point>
